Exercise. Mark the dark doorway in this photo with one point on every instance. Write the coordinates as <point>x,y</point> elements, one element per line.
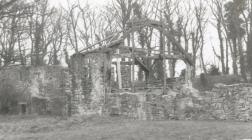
<point>23,109</point>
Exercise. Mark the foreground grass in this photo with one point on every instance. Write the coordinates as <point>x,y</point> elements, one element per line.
<point>97,128</point>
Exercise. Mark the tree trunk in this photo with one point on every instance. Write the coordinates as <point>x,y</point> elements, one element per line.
<point>249,46</point>
<point>227,57</point>
<point>186,45</point>
<point>160,62</point>
<point>221,47</point>
<point>202,59</point>
<point>170,61</point>
<point>194,55</point>
<point>242,60</point>
<point>249,55</point>
<point>235,68</point>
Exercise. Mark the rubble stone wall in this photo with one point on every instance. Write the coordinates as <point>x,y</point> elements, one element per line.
<point>90,82</point>
<point>85,88</point>
<point>230,102</point>
<point>152,105</point>
<point>126,76</point>
<point>42,89</point>
<point>233,102</point>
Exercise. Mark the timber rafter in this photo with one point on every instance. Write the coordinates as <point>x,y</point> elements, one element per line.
<point>134,26</point>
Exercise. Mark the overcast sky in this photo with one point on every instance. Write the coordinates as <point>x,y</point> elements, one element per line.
<point>211,38</point>
<point>64,2</point>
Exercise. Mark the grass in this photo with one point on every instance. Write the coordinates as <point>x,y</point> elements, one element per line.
<point>104,128</point>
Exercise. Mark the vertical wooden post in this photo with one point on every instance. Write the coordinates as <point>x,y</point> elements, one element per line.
<point>147,79</point>
<point>133,63</point>
<point>108,72</point>
<point>164,66</point>
<point>118,68</point>
<point>107,76</point>
<point>188,75</point>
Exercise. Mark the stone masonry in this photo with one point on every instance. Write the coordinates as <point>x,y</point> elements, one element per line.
<point>231,102</point>
<point>42,89</point>
<point>224,102</point>
<point>90,78</point>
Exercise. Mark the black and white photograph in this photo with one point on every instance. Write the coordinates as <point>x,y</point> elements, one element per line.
<point>125,69</point>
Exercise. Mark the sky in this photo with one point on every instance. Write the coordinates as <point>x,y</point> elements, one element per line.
<point>63,3</point>
<point>211,38</point>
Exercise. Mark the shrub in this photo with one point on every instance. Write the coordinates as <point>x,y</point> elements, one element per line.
<point>182,73</point>
<point>203,79</point>
<point>214,70</point>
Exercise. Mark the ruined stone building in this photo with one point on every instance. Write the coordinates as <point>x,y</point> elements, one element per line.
<point>112,78</point>
<point>104,68</point>
<point>117,79</point>
<point>111,67</point>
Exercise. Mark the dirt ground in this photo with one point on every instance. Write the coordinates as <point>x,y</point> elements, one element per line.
<point>105,128</point>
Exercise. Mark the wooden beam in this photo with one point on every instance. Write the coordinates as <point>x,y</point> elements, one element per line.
<point>107,78</point>
<point>137,62</point>
<point>163,61</point>
<point>119,75</point>
<point>187,57</point>
<point>142,65</point>
<point>138,50</point>
<point>134,26</point>
<point>126,55</point>
<point>188,75</point>
<point>107,38</point>
<point>99,50</point>
<point>123,63</point>
<point>166,56</point>
<point>133,63</point>
<point>161,27</point>
<point>136,59</point>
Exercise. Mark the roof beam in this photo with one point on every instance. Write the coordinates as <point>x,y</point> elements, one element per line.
<point>167,56</point>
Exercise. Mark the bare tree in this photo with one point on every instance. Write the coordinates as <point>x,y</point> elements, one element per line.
<point>200,13</point>
<point>217,10</point>
<point>58,38</point>
<point>236,32</point>
<point>11,29</point>
<point>40,31</point>
<point>6,8</point>
<point>249,42</point>
<point>72,18</point>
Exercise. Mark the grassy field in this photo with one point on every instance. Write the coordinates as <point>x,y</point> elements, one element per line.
<point>97,128</point>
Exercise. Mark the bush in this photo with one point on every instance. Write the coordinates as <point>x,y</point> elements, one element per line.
<point>203,79</point>
<point>210,81</point>
<point>182,73</point>
<point>214,70</point>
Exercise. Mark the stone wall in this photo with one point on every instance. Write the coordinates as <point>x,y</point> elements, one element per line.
<point>43,90</point>
<point>152,105</point>
<point>91,80</point>
<point>86,89</point>
<point>126,76</point>
<point>233,102</point>
<point>230,102</point>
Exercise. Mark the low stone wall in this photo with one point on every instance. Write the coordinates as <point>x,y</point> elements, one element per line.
<point>152,105</point>
<point>232,102</point>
